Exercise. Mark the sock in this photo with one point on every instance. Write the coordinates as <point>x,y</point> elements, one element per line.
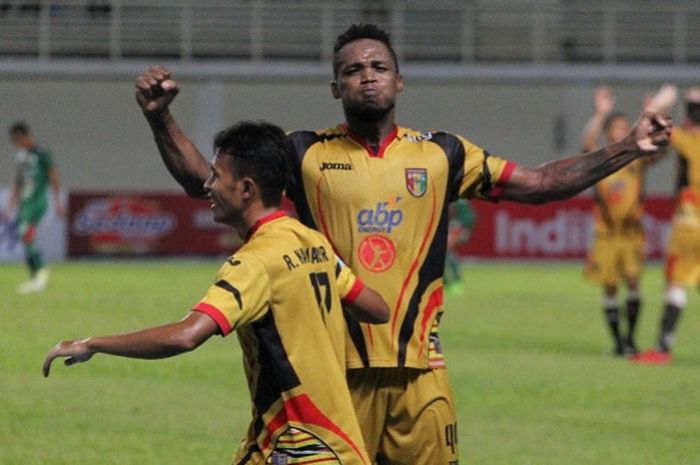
<point>34,259</point>
<point>612,316</point>
<point>668,326</point>
<point>633,308</point>
<point>453,273</point>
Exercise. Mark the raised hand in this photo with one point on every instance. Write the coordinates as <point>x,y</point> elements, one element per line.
<point>663,100</point>
<point>603,100</point>
<point>155,89</point>
<point>693,94</point>
<point>73,352</point>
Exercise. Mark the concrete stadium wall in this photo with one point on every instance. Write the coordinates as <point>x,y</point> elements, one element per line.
<point>101,141</point>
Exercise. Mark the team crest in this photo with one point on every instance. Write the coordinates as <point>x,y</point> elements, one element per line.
<point>417,181</point>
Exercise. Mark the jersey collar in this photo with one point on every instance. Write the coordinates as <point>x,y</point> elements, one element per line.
<point>264,220</point>
<point>382,146</point>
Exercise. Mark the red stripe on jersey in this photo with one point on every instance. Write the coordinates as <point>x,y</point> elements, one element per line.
<point>302,409</point>
<point>382,147</point>
<point>265,219</point>
<point>354,292</point>
<point>413,267</point>
<point>434,302</point>
<point>500,186</point>
<point>368,327</point>
<point>216,315</point>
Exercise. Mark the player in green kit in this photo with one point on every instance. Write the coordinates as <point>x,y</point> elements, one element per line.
<point>35,172</point>
<point>462,220</point>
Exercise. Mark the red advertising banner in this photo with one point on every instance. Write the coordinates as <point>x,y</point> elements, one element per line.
<point>558,230</point>
<point>133,224</point>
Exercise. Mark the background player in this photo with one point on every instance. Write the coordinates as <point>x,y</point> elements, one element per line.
<point>35,171</point>
<point>617,252</point>
<point>683,249</point>
<point>462,220</point>
<point>380,193</point>
<point>281,292</point>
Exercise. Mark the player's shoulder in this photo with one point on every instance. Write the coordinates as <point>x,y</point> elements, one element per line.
<point>317,135</point>
<point>244,262</point>
<point>41,151</point>
<point>300,142</point>
<point>437,136</point>
<point>292,226</point>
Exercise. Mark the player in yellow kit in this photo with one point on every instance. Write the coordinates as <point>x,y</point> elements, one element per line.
<point>281,292</point>
<point>683,249</point>
<point>380,193</point>
<point>617,253</point>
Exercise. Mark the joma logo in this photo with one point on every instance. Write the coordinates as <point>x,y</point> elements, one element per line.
<point>335,166</point>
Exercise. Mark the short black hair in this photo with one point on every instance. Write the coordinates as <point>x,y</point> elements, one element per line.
<point>258,151</point>
<point>20,127</point>
<point>358,32</point>
<point>607,122</point>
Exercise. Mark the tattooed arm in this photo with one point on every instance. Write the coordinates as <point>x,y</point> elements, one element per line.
<point>561,179</point>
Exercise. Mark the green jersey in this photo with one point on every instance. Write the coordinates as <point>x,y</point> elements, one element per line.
<point>32,181</point>
<point>464,213</point>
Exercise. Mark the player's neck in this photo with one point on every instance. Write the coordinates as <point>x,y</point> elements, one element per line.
<point>251,217</point>
<point>372,132</point>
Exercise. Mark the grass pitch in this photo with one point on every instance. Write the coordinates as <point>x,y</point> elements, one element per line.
<point>526,346</point>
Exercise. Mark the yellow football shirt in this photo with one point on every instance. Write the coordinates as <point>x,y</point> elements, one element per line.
<point>385,211</point>
<point>281,292</point>
<point>619,197</point>
<point>687,144</point>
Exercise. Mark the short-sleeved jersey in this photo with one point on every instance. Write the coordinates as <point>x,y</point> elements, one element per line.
<point>281,292</point>
<point>687,144</point>
<point>619,200</point>
<point>33,179</point>
<point>385,212</point>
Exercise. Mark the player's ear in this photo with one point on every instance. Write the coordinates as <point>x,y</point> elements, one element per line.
<point>249,188</point>
<point>399,83</point>
<point>335,91</point>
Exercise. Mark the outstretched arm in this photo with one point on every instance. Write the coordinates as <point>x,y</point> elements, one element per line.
<point>152,343</point>
<point>561,179</point>
<point>369,307</point>
<point>155,90</point>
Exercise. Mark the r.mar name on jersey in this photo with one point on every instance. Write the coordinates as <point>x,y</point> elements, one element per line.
<point>305,255</point>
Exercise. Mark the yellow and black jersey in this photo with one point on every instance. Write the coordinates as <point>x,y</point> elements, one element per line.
<point>619,200</point>
<point>687,144</point>
<point>281,292</point>
<point>385,211</point>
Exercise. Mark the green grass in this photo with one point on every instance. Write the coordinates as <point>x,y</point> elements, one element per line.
<point>526,347</point>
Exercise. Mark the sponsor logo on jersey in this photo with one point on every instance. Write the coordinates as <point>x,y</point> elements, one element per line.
<point>417,181</point>
<point>420,138</point>
<point>376,253</point>
<point>335,166</point>
<point>383,218</point>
